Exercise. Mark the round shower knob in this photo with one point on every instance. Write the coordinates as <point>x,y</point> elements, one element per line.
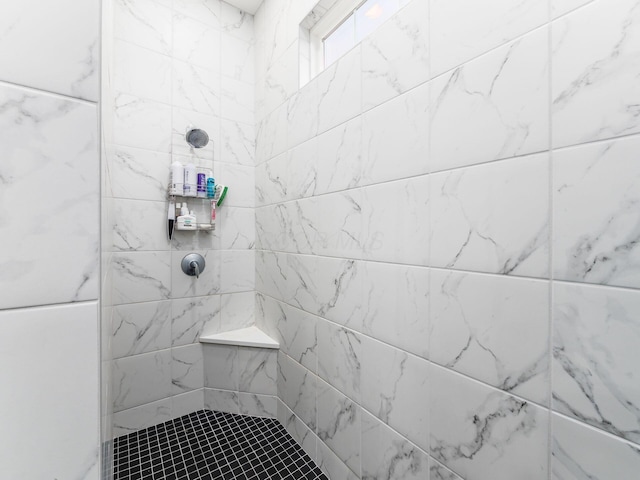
<point>193,264</point>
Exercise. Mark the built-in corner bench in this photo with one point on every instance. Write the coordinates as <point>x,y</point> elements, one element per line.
<point>240,372</point>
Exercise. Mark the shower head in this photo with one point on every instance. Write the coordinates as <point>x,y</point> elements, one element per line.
<point>197,138</point>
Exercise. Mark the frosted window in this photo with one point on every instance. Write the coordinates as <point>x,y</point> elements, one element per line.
<point>340,41</point>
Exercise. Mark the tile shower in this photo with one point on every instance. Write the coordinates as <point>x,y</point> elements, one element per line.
<point>440,230</point>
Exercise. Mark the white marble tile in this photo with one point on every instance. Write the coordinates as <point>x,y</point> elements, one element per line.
<point>49,228</point>
<point>141,379</point>
<point>237,101</point>
<point>195,88</point>
<point>258,405</point>
<point>257,370</point>
<point>221,400</point>
<point>332,465</point>
<point>238,59</point>
<point>328,287</point>
<point>493,218</point>
<point>187,403</point>
<point>237,142</point>
<point>301,170</point>
<point>141,276</point>
<point>595,90</point>
<point>142,123</point>
<point>297,389</point>
<point>395,303</point>
<point>139,174</point>
<point>396,221</point>
<point>137,225</point>
<point>339,425</point>
<point>241,182</point>
<point>50,368</point>
<point>205,11</point>
<point>340,91</point>
<point>340,358</point>
<point>144,22</point>
<point>138,418</point>
<point>297,429</point>
<point>395,57</point>
<point>395,138</point>
<point>192,317</point>
<point>339,158</point>
<point>183,285</point>
<point>494,107</point>
<point>141,72</point>
<point>183,120</point>
<point>483,433</point>
<point>302,115</point>
<point>595,359</point>
<point>196,42</point>
<point>579,452</point>
<point>31,44</point>
<point>561,7</point>
<point>464,29</point>
<point>237,270</point>
<point>237,311</point>
<point>140,328</point>
<point>236,22</point>
<point>601,247</point>
<point>338,234</point>
<point>385,454</point>
<point>492,328</point>
<point>395,389</point>
<point>298,336</point>
<point>272,274</point>
<point>437,471</point>
<point>281,80</point>
<point>272,180</point>
<point>236,226</point>
<point>220,367</point>
<point>187,368</point>
<point>271,134</point>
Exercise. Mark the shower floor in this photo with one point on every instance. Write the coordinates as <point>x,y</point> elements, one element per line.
<point>208,445</point>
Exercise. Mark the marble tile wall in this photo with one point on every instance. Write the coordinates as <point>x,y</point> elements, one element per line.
<point>49,222</point>
<point>447,240</point>
<point>175,64</point>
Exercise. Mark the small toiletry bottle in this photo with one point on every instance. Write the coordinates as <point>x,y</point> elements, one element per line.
<point>202,183</point>
<point>213,212</point>
<point>211,185</point>
<point>176,187</point>
<point>190,180</point>
<point>186,221</point>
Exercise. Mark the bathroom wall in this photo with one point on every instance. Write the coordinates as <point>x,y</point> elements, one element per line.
<point>49,223</point>
<point>447,240</point>
<point>174,64</point>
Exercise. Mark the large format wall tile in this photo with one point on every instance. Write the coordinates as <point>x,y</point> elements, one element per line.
<point>140,328</point>
<point>493,218</point>
<point>141,72</point>
<point>340,358</point>
<point>595,86</point>
<point>493,107</point>
<point>395,58</point>
<point>297,388</point>
<point>601,247</point>
<point>385,454</point>
<point>144,22</point>
<point>464,29</point>
<point>561,7</point>
<point>50,402</point>
<point>596,367</point>
<point>48,200</point>
<point>483,433</point>
<point>141,276</point>
<point>494,329</point>
<point>580,452</point>
<point>395,388</point>
<point>43,46</point>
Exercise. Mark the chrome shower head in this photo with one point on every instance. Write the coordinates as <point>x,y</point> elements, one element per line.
<point>197,138</point>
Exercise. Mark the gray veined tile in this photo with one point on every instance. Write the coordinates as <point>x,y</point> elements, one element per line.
<point>140,328</point>
<point>141,123</point>
<point>194,316</point>
<point>141,276</point>
<point>144,22</point>
<point>492,218</point>
<point>187,368</point>
<point>297,429</point>
<point>221,400</point>
<point>258,405</point>
<point>595,88</point>
<point>583,453</point>
<point>221,367</point>
<point>439,472</point>
<point>257,370</point>
<point>387,455</point>
<point>51,255</point>
<point>480,432</point>
<point>297,389</point>
<point>494,329</point>
<point>595,357</point>
<point>604,180</point>
<point>340,358</point>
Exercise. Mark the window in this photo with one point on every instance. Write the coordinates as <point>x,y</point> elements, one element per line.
<point>336,26</point>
